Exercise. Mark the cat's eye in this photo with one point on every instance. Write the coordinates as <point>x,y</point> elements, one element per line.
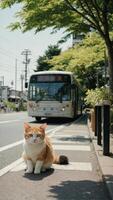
<point>38,135</point>
<point>30,135</point>
<point>26,136</point>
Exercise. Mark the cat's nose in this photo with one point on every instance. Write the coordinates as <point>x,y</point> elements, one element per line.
<point>35,140</point>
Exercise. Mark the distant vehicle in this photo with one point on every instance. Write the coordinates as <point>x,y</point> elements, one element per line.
<point>53,94</point>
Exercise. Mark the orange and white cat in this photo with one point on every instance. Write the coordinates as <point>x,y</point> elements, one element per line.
<point>38,151</point>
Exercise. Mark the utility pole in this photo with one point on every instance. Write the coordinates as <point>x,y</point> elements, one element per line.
<point>22,79</point>
<point>15,77</point>
<point>26,53</point>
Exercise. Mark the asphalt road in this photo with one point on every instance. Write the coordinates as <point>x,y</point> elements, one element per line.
<point>80,180</point>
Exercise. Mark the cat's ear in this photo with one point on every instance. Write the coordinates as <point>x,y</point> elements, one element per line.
<point>43,126</point>
<point>26,127</point>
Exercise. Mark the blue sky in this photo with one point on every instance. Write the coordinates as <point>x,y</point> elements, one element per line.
<point>13,43</point>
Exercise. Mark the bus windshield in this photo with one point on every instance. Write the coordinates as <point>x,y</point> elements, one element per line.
<point>49,91</point>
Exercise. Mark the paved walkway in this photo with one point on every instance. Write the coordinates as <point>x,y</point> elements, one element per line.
<point>80,180</point>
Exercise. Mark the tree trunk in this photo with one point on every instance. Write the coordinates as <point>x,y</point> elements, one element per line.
<point>110,65</point>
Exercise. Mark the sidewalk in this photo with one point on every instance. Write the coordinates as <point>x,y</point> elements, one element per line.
<point>105,162</point>
<point>80,180</point>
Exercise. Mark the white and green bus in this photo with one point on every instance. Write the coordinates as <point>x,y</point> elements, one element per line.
<point>53,94</point>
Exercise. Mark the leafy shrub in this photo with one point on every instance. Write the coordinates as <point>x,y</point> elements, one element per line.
<point>10,105</point>
<point>23,106</point>
<point>96,96</point>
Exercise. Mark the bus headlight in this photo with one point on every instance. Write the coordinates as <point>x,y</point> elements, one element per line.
<point>63,109</point>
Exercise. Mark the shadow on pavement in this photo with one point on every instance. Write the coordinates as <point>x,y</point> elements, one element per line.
<point>82,119</point>
<point>74,139</point>
<point>79,190</point>
<point>38,177</point>
<point>53,121</point>
<point>52,186</point>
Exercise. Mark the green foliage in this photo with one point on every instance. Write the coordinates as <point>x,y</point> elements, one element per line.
<point>112,114</point>
<point>23,106</point>
<point>10,105</point>
<point>96,96</point>
<point>85,60</point>
<point>39,15</point>
<point>62,61</point>
<point>42,62</point>
<point>73,15</point>
<point>53,50</point>
<point>76,16</point>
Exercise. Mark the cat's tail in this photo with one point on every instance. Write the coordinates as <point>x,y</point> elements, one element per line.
<point>62,160</point>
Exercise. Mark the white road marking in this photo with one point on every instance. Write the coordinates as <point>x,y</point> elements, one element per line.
<point>72,147</point>
<point>56,147</point>
<point>9,121</point>
<point>11,145</point>
<point>19,164</point>
<point>81,166</point>
<point>9,167</point>
<point>53,131</point>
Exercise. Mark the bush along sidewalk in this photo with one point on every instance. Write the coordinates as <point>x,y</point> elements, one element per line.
<point>12,107</point>
<point>95,97</point>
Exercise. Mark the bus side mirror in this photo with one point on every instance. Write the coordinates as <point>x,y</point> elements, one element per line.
<point>26,84</point>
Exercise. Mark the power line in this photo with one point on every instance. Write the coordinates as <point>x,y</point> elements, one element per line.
<point>9,66</point>
<point>7,53</point>
<point>7,40</point>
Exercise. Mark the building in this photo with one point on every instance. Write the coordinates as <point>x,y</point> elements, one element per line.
<point>6,93</point>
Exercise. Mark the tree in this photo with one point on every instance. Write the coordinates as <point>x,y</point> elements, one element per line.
<point>53,50</point>
<point>99,15</point>
<point>75,16</point>
<point>42,62</point>
<point>86,60</point>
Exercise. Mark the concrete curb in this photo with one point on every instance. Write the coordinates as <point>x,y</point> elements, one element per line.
<point>105,163</point>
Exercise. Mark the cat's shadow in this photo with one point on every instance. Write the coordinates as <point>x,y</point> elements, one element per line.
<point>38,177</point>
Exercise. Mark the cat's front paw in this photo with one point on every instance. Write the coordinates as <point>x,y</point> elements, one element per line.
<point>28,171</point>
<point>37,171</point>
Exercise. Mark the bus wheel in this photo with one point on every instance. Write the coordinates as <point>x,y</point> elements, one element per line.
<point>38,118</point>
